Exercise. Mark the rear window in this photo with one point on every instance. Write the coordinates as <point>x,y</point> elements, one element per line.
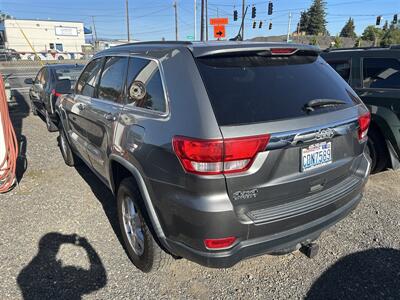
<point>381,73</point>
<point>71,73</point>
<point>342,67</point>
<point>253,88</point>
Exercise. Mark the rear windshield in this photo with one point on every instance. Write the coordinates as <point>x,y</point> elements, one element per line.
<point>71,73</point>
<point>253,88</point>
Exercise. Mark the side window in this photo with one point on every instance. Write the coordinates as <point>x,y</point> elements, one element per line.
<point>39,75</point>
<point>45,77</point>
<point>87,81</point>
<point>144,85</point>
<point>111,85</point>
<point>383,73</point>
<point>51,46</point>
<point>342,67</point>
<point>60,47</point>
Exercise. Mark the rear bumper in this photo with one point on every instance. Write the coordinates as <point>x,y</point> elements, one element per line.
<point>187,226</point>
<point>267,244</point>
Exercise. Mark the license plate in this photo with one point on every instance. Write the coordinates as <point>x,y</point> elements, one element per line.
<point>316,155</point>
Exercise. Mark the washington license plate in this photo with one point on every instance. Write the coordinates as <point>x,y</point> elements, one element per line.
<point>316,155</point>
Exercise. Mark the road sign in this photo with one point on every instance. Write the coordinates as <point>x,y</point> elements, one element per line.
<point>190,37</point>
<point>218,21</point>
<point>219,31</point>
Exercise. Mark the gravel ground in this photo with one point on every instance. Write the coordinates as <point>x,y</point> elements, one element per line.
<point>59,240</point>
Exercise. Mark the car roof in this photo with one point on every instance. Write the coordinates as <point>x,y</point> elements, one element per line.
<point>202,48</point>
<point>65,66</point>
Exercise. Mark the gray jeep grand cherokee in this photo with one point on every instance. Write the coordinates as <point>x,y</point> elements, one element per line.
<point>218,151</point>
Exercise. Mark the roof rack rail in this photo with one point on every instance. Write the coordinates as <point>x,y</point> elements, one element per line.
<point>155,43</point>
<point>364,48</point>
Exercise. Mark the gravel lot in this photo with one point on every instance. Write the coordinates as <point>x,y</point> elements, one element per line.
<point>359,257</point>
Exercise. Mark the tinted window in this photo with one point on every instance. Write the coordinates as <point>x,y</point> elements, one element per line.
<point>39,76</point>
<point>257,88</point>
<point>144,83</point>
<point>112,79</point>
<point>342,67</point>
<point>381,73</point>
<point>87,82</point>
<point>71,73</point>
<point>44,78</point>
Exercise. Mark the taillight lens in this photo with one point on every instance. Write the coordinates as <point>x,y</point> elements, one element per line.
<point>280,51</point>
<point>222,243</point>
<point>363,122</point>
<point>54,92</point>
<point>210,157</point>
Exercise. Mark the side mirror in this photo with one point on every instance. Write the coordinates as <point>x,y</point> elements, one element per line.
<point>28,81</point>
<point>63,86</point>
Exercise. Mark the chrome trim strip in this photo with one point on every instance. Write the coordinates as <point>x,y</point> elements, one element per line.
<point>306,136</point>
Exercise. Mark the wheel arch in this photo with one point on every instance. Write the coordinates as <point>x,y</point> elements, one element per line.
<point>120,169</point>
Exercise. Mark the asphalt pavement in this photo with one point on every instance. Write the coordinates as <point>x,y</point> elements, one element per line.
<point>60,240</point>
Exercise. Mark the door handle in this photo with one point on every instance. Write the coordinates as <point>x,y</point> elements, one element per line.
<point>110,117</point>
<point>81,106</point>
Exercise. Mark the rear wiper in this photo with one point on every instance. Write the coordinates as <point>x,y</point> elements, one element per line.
<point>316,103</point>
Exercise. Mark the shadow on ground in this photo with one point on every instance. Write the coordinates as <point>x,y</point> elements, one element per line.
<point>46,278</point>
<point>103,195</point>
<point>370,274</point>
<point>18,113</point>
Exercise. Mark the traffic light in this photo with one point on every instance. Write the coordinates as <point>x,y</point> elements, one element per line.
<point>270,8</point>
<point>395,19</point>
<point>378,20</point>
<point>260,25</point>
<point>270,26</point>
<point>253,12</point>
<point>254,24</point>
<point>235,15</point>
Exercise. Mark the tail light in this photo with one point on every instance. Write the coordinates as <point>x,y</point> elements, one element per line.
<point>283,51</point>
<point>363,122</point>
<point>55,93</point>
<point>218,244</point>
<point>210,157</point>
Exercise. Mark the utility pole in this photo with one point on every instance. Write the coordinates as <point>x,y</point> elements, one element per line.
<point>176,20</point>
<point>206,3</point>
<point>243,7</point>
<point>127,20</point>
<point>288,29</point>
<point>195,20</point>
<point>95,34</point>
<point>202,21</point>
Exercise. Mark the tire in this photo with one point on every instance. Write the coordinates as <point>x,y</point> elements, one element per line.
<point>34,109</point>
<point>51,127</point>
<point>70,158</point>
<point>376,148</point>
<point>141,247</point>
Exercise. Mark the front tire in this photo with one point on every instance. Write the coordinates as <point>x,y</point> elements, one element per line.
<point>139,243</point>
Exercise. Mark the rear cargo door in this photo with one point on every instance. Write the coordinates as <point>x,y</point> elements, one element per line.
<point>310,151</point>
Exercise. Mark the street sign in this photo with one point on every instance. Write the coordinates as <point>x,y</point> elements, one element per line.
<point>219,31</point>
<point>190,37</point>
<point>218,21</point>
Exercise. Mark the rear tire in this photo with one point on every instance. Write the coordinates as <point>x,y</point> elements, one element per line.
<point>69,156</point>
<point>141,247</point>
<point>51,127</point>
<point>377,150</point>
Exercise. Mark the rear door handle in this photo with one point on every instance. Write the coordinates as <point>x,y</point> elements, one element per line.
<point>110,117</point>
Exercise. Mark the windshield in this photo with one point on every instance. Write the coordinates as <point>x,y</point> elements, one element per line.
<point>252,88</point>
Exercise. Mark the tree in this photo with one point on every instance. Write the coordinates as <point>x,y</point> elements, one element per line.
<point>337,42</point>
<point>316,18</point>
<point>385,26</point>
<point>314,41</point>
<point>303,24</point>
<point>371,33</point>
<point>358,43</point>
<point>348,29</point>
<point>391,36</point>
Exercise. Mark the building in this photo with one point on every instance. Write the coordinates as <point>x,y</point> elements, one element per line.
<point>42,35</point>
